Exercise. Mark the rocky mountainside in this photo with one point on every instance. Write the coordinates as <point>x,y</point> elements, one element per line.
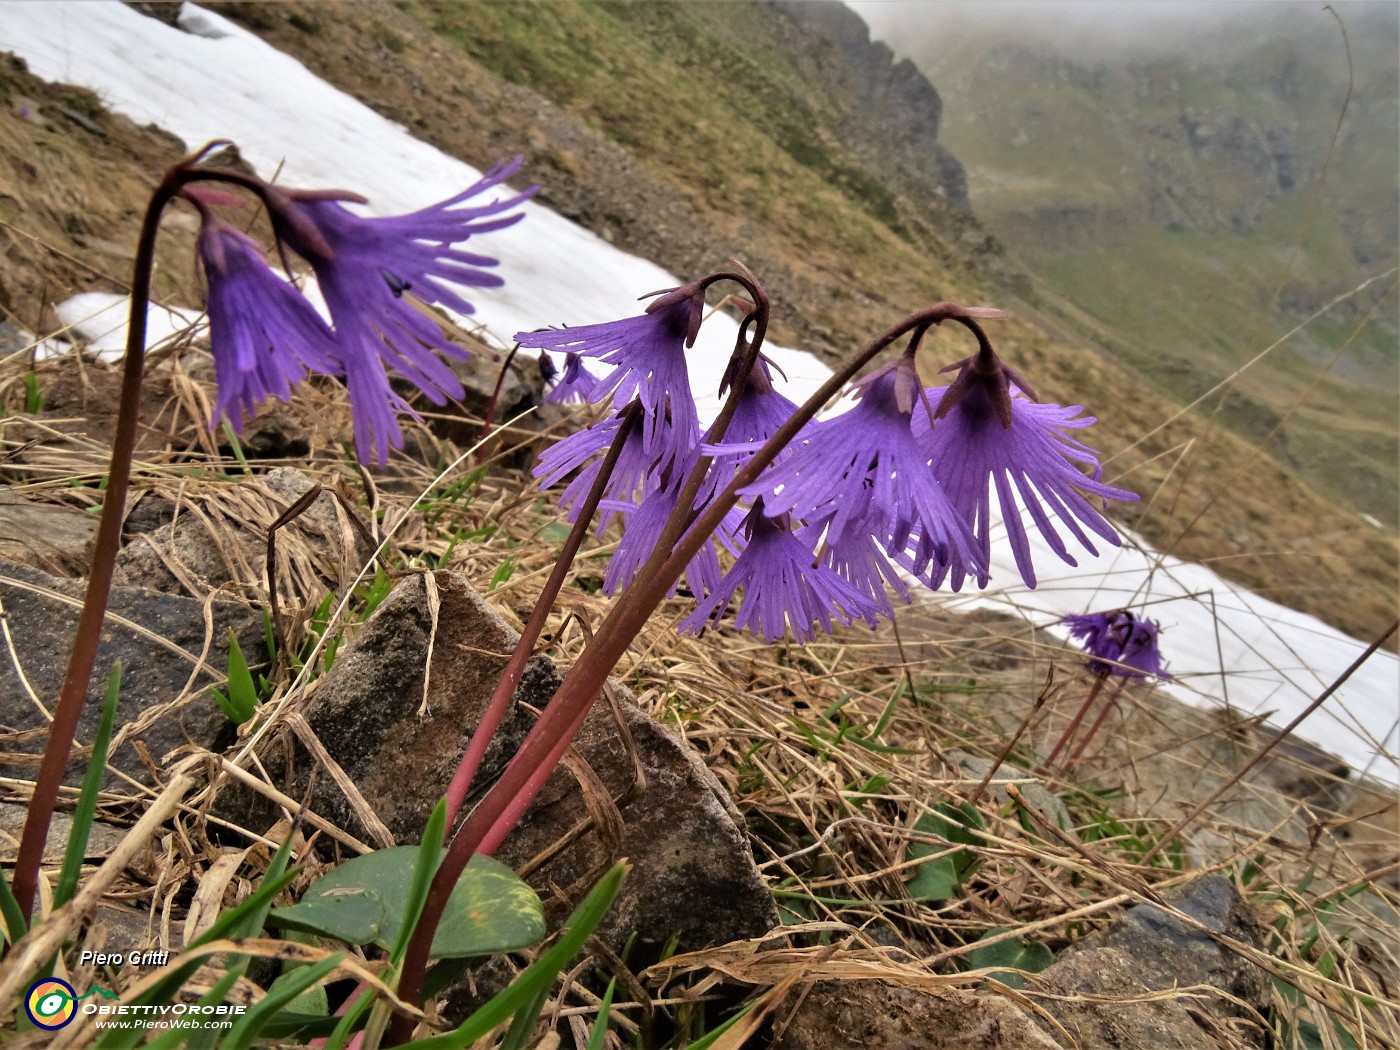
<point>1183,198</point>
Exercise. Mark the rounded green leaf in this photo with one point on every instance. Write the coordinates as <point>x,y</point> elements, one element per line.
<point>363,901</point>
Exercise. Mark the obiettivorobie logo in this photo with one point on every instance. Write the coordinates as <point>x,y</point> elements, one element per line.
<point>51,1003</point>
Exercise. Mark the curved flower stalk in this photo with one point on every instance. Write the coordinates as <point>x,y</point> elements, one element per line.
<point>265,336</point>
<point>987,434</point>
<point>366,266</point>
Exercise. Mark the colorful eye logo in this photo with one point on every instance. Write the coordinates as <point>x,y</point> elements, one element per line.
<point>51,1003</point>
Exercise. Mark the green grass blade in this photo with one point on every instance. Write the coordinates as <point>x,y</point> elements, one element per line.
<point>599,1035</point>
<point>15,925</point>
<point>523,1026</point>
<point>261,1015</point>
<point>87,799</point>
<point>242,690</point>
<point>542,972</point>
<point>710,1038</point>
<point>429,854</point>
<point>348,1020</point>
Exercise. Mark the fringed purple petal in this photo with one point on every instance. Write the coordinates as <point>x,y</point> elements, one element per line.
<point>783,590</point>
<point>264,334</point>
<point>971,451</point>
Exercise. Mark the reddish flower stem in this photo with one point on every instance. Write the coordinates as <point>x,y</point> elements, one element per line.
<point>506,802</point>
<point>68,711</point>
<point>64,727</point>
<point>499,703</point>
<point>1092,731</point>
<point>1074,722</point>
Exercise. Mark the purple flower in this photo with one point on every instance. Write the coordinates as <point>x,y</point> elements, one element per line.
<point>863,474</point>
<point>782,589</point>
<point>758,415</point>
<point>648,358</point>
<point>1119,643</point>
<point>988,434</point>
<point>264,334</point>
<point>643,530</point>
<point>364,266</point>
<point>576,384</point>
<point>631,473</point>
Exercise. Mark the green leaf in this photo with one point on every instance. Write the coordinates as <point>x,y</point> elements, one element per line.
<point>363,901</point>
<point>939,879</point>
<point>936,880</point>
<point>279,998</point>
<point>540,974</point>
<point>599,1035</point>
<point>311,1002</point>
<point>242,690</point>
<point>1014,953</point>
<point>87,798</point>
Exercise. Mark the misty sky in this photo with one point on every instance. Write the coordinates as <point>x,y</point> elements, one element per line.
<point>909,25</point>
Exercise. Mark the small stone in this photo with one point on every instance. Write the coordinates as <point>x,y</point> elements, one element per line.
<point>102,838</point>
<point>46,535</point>
<point>872,1015</point>
<point>1097,997</point>
<point>1168,953</point>
<point>1035,792</point>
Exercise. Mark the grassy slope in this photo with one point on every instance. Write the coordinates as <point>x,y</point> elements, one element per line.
<point>683,119</point>
<point>1187,250</point>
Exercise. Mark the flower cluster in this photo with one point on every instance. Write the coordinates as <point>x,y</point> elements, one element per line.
<point>374,274</point>
<point>895,489</point>
<point>1119,643</point>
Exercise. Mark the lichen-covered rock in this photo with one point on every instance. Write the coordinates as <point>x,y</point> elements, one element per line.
<point>1168,952</point>
<point>1101,989</point>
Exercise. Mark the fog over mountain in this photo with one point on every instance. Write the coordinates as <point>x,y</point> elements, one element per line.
<point>1096,29</point>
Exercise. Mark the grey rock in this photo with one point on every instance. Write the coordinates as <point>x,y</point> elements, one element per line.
<point>693,873</point>
<point>46,535</point>
<point>1168,953</point>
<point>871,1015</point>
<point>164,704</point>
<point>1037,794</point>
<point>1098,998</point>
<point>102,838</point>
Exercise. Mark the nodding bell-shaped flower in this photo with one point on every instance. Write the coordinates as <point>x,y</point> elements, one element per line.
<point>783,590</point>
<point>367,269</point>
<point>863,475</point>
<point>264,334</point>
<point>989,432</point>
<point>1119,643</point>
<point>576,384</point>
<point>647,355</point>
